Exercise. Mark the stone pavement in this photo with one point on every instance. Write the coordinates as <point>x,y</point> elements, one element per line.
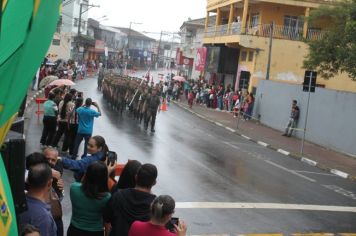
<point>315,155</point>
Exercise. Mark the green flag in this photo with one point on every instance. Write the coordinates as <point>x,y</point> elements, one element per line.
<point>26,31</point>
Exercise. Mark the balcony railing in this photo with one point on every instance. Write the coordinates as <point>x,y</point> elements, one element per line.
<point>279,31</point>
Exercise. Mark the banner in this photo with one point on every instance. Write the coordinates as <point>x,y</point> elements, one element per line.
<point>200,59</point>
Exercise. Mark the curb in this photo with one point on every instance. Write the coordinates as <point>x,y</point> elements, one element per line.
<point>28,103</point>
<point>277,149</point>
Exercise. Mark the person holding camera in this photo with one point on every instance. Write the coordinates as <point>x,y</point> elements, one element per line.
<point>161,223</point>
<point>97,150</point>
<point>86,117</point>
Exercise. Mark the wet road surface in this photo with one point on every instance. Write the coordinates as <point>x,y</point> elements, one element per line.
<point>212,174</point>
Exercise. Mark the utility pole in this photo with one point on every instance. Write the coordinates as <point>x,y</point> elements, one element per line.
<point>159,48</point>
<point>80,20</point>
<point>170,54</point>
<point>270,51</point>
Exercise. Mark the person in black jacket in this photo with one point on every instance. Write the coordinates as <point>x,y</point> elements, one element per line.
<point>129,205</point>
<point>293,120</point>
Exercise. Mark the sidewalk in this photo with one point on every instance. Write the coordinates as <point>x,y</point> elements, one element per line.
<point>315,155</point>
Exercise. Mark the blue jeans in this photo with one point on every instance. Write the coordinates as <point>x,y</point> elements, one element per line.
<point>78,140</point>
<point>220,103</point>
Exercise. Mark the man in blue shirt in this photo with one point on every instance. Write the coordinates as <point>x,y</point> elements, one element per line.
<point>85,127</point>
<point>38,214</point>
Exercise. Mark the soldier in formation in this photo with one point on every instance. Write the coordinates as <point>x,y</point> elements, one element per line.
<point>141,99</point>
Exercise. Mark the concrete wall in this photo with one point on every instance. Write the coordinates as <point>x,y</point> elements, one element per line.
<point>331,120</point>
<point>61,51</point>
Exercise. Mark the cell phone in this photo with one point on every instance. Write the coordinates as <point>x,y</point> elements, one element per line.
<point>171,223</point>
<point>111,157</point>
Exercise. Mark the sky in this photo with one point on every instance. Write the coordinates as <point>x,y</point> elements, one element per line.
<point>154,15</point>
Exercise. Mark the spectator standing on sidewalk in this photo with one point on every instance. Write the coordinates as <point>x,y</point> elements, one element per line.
<point>88,201</point>
<point>73,125</point>
<point>162,210</point>
<point>49,120</point>
<point>56,196</point>
<point>249,106</point>
<point>293,120</point>
<point>220,98</point>
<point>65,108</point>
<point>97,149</point>
<point>86,117</point>
<point>190,98</point>
<point>38,214</point>
<point>129,205</point>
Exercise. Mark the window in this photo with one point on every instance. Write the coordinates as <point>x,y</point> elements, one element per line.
<point>56,42</point>
<point>243,56</point>
<point>255,20</point>
<point>293,26</point>
<point>250,56</point>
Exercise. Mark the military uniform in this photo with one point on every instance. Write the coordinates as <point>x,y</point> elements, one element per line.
<point>153,103</point>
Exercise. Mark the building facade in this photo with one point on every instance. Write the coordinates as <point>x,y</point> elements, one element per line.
<point>239,41</point>
<point>192,34</point>
<point>138,51</point>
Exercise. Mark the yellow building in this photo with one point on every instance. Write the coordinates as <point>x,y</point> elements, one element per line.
<point>244,26</point>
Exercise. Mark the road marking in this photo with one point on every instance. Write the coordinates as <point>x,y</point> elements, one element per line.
<point>290,171</point>
<point>246,137</point>
<point>231,145</point>
<point>232,130</point>
<point>262,143</point>
<point>341,191</point>
<point>252,205</point>
<point>219,124</point>
<point>339,173</point>
<point>283,152</point>
<point>309,162</point>
<point>314,234</point>
<point>314,173</point>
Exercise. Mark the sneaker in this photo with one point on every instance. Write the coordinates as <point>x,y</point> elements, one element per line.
<point>153,130</point>
<point>284,134</point>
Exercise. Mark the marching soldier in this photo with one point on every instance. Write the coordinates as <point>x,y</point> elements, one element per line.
<point>153,105</point>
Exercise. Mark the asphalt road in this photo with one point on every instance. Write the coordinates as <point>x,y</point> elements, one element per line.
<point>222,183</point>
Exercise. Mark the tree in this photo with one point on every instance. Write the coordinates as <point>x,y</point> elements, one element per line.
<point>335,52</point>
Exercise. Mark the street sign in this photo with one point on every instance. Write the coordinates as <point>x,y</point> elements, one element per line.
<point>309,83</point>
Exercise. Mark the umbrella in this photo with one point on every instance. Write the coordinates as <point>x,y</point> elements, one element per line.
<point>47,80</point>
<point>60,82</point>
<point>179,78</point>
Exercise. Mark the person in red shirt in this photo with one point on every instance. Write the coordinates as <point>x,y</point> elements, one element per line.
<point>162,209</point>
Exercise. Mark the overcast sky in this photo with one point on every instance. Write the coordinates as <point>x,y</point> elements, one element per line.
<point>155,15</point>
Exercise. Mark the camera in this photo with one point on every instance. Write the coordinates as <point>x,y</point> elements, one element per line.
<point>111,157</point>
<point>171,223</point>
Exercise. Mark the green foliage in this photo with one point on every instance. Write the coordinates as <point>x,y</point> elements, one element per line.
<point>335,52</point>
